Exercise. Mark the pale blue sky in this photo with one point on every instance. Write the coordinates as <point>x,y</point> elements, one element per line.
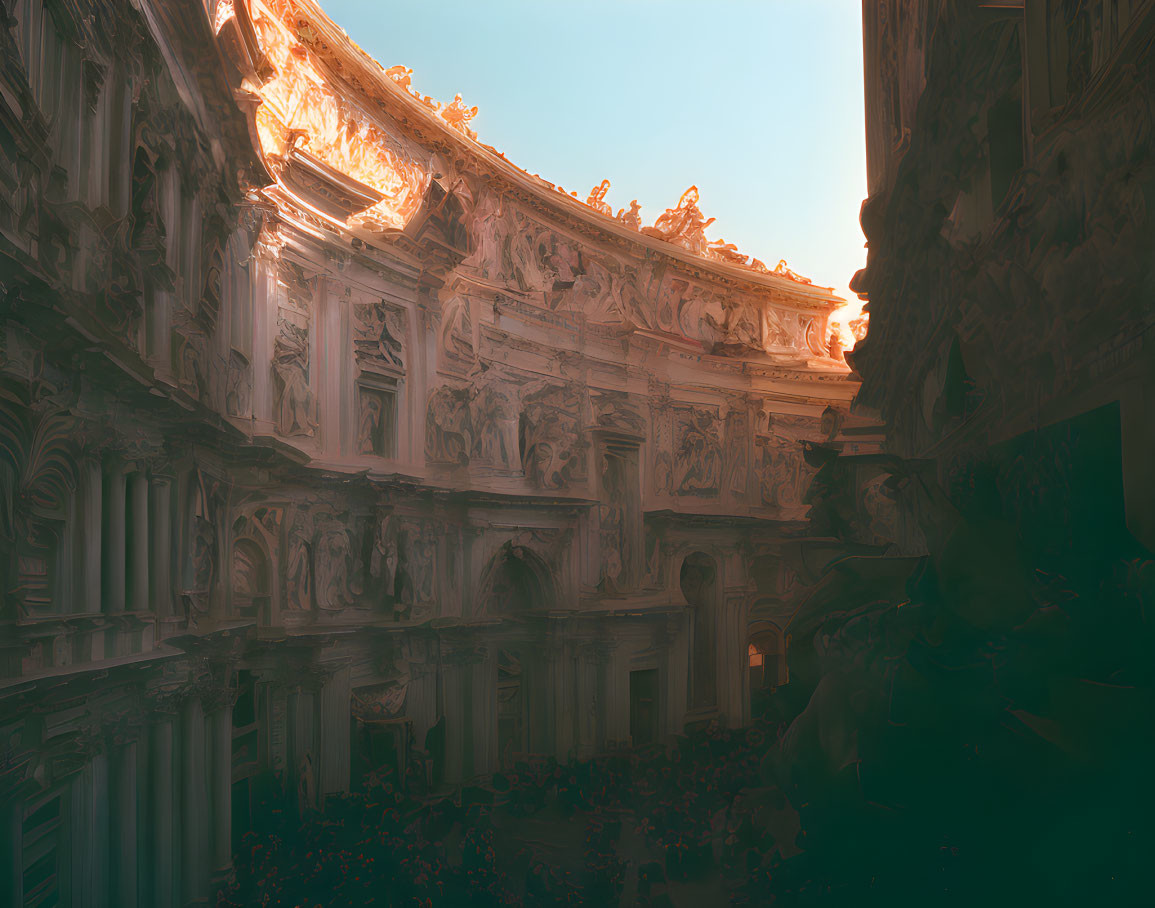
<point>758,102</point>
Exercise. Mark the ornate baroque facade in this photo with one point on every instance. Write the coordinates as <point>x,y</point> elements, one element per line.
<point>323,426</point>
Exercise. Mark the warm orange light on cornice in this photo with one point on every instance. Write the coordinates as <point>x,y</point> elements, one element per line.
<point>300,109</point>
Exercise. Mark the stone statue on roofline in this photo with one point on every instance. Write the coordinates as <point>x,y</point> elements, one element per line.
<point>721,251</point>
<point>597,198</point>
<point>683,226</point>
<point>782,271</point>
<point>631,218</point>
<point>402,75</point>
<point>457,115</point>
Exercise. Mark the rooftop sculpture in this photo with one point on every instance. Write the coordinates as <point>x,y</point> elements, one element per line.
<point>337,137</point>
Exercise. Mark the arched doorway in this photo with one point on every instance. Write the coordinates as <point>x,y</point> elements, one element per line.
<point>699,583</point>
<point>517,583</point>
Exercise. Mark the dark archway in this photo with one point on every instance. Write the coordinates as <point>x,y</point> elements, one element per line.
<point>516,581</point>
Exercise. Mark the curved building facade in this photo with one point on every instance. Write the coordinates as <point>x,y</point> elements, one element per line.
<point>329,437</point>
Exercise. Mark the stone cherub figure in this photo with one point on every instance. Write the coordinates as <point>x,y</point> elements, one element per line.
<point>457,115</point>
<point>683,226</point>
<point>631,218</point>
<point>597,198</point>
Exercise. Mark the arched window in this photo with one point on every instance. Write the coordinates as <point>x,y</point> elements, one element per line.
<point>250,580</point>
<point>698,580</point>
<point>756,657</point>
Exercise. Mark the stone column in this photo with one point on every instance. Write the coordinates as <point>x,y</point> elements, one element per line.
<point>160,524</point>
<point>617,685</point>
<point>163,808</point>
<point>112,538</point>
<point>483,706</point>
<point>561,680</point>
<point>221,789</point>
<point>454,712</point>
<point>264,322</point>
<point>335,716</point>
<point>336,408</point>
<point>421,700</point>
<point>123,838</point>
<point>11,882</point>
<point>193,818</point>
<point>138,511</point>
<point>90,589</point>
<point>98,854</point>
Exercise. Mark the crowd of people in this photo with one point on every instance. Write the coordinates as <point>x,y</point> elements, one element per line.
<point>985,738</point>
<point>698,807</point>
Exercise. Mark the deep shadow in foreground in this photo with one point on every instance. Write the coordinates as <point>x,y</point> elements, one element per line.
<point>981,736</point>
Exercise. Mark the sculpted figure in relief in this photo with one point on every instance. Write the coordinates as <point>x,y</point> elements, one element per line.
<point>457,331</point>
<point>561,258</point>
<point>683,226</point>
<point>299,570</point>
<point>780,328</point>
<point>332,554</point>
<point>495,428</point>
<point>612,409</point>
<point>448,426</point>
<point>370,429</point>
<point>420,555</point>
<point>698,461</point>
<point>522,259</point>
<point>742,326</point>
<point>737,457</point>
<point>488,232</point>
<point>383,559</point>
<point>700,315</point>
<point>294,400</point>
<point>781,473</point>
<point>593,293</point>
<point>238,387</point>
<point>552,453</point>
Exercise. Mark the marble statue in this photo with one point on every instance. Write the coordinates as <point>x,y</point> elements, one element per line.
<point>294,399</point>
<point>449,426</point>
<point>684,225</point>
